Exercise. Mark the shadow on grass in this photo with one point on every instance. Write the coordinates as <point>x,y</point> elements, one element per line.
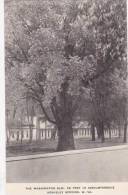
<point>48,146</point>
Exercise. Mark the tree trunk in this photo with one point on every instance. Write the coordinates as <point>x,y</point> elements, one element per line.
<point>21,128</point>
<point>65,139</point>
<point>31,129</point>
<point>62,112</point>
<point>119,135</point>
<point>125,132</point>
<point>93,131</point>
<point>65,135</point>
<point>109,131</point>
<point>30,121</point>
<point>37,129</point>
<point>102,132</point>
<point>21,136</point>
<point>31,134</point>
<point>7,135</point>
<point>17,139</point>
<point>98,130</point>
<point>119,129</point>
<point>110,136</point>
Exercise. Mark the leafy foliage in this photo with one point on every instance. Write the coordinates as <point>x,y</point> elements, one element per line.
<point>77,44</point>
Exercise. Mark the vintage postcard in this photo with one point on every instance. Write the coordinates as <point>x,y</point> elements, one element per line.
<point>66,97</point>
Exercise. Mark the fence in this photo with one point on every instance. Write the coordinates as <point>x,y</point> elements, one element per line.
<point>16,135</point>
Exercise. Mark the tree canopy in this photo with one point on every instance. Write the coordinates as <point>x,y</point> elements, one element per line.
<point>57,51</point>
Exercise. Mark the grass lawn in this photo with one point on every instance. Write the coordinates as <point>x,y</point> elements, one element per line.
<point>47,146</point>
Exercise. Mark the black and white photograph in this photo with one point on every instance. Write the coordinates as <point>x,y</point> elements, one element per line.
<point>66,91</point>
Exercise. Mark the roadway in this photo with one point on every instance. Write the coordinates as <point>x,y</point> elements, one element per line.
<point>108,164</point>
